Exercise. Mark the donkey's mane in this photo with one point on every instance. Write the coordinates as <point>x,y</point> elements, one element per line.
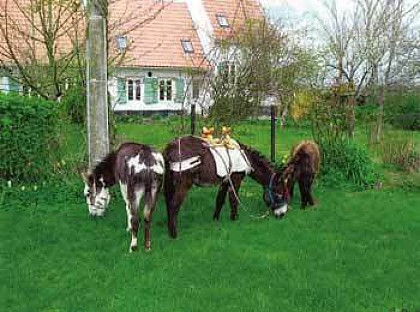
<point>259,158</point>
<point>106,165</point>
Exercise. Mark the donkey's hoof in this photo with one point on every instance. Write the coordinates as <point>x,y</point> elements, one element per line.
<point>147,246</point>
<point>133,248</point>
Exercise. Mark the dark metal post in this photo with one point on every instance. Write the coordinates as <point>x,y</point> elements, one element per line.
<point>193,116</point>
<point>273,133</point>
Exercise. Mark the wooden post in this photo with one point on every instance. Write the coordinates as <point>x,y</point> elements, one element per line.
<point>193,117</point>
<point>273,133</point>
<point>97,83</point>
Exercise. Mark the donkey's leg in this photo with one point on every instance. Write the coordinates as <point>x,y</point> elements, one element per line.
<point>234,195</point>
<point>310,198</point>
<point>220,200</point>
<point>303,194</point>
<point>149,207</point>
<point>175,192</point>
<point>291,186</point>
<point>173,210</point>
<point>123,188</point>
<point>135,198</point>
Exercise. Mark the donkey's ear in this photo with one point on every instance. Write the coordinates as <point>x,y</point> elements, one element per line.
<point>85,177</point>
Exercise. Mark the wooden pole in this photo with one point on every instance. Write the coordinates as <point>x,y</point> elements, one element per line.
<point>273,133</point>
<point>97,83</point>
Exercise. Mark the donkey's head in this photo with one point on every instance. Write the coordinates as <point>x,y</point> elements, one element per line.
<point>96,193</point>
<point>276,195</point>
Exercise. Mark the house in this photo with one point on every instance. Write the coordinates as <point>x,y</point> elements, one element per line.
<point>163,50</point>
<point>168,57</point>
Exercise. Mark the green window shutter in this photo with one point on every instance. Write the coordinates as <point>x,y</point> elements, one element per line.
<point>150,90</point>
<point>179,88</point>
<point>122,92</point>
<point>14,86</point>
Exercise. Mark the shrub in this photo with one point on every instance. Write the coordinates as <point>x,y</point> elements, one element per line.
<point>347,162</point>
<point>28,137</point>
<point>403,110</point>
<point>401,152</point>
<point>74,105</point>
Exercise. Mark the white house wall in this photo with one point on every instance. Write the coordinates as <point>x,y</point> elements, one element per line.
<point>139,105</point>
<point>4,84</point>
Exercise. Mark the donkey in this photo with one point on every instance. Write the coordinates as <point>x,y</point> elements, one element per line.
<point>139,170</point>
<point>190,161</point>
<point>302,167</point>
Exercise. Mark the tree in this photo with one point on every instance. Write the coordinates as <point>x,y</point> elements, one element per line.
<point>259,61</point>
<point>42,41</point>
<point>371,46</point>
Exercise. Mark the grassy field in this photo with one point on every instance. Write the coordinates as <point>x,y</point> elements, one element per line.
<point>357,251</point>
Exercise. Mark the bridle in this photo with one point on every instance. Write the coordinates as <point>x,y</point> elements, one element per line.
<point>274,197</point>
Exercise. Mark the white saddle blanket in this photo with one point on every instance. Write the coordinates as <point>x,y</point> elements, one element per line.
<point>229,160</point>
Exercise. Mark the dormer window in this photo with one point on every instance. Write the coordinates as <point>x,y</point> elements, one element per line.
<point>187,46</point>
<point>222,20</point>
<point>121,43</point>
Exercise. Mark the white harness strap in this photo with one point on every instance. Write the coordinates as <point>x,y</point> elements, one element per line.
<point>186,164</point>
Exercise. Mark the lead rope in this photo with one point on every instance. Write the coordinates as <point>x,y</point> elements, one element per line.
<point>228,170</point>
<point>180,158</point>
<point>267,213</point>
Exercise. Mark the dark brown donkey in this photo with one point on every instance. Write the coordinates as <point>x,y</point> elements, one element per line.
<point>302,168</point>
<point>139,171</point>
<point>189,161</point>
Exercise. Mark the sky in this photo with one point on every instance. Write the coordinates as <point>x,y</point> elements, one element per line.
<point>299,8</point>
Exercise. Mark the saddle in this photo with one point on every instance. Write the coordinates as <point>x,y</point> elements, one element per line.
<point>226,152</point>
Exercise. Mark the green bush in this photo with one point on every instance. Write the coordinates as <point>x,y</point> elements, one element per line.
<point>403,110</point>
<point>347,162</point>
<point>28,138</point>
<point>74,105</point>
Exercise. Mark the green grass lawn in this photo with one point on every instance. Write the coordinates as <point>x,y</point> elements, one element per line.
<point>357,251</point>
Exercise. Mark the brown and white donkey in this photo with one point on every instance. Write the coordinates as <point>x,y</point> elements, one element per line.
<point>139,170</point>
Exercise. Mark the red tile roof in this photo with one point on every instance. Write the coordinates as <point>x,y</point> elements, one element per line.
<point>237,12</point>
<point>154,30</point>
<point>157,42</point>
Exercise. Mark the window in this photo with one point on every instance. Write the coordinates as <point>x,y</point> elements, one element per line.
<point>133,90</point>
<point>187,46</point>
<point>165,90</point>
<point>196,84</point>
<point>222,20</point>
<point>121,43</point>
<point>227,71</point>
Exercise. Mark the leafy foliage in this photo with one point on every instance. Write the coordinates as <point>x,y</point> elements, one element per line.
<point>403,110</point>
<point>28,138</point>
<point>74,105</point>
<point>260,61</point>
<point>347,162</point>
<point>343,161</point>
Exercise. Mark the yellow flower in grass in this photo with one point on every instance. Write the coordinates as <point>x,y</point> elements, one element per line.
<point>285,158</point>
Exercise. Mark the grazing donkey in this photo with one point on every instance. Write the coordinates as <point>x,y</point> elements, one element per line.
<point>302,167</point>
<point>189,161</point>
<point>139,170</point>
